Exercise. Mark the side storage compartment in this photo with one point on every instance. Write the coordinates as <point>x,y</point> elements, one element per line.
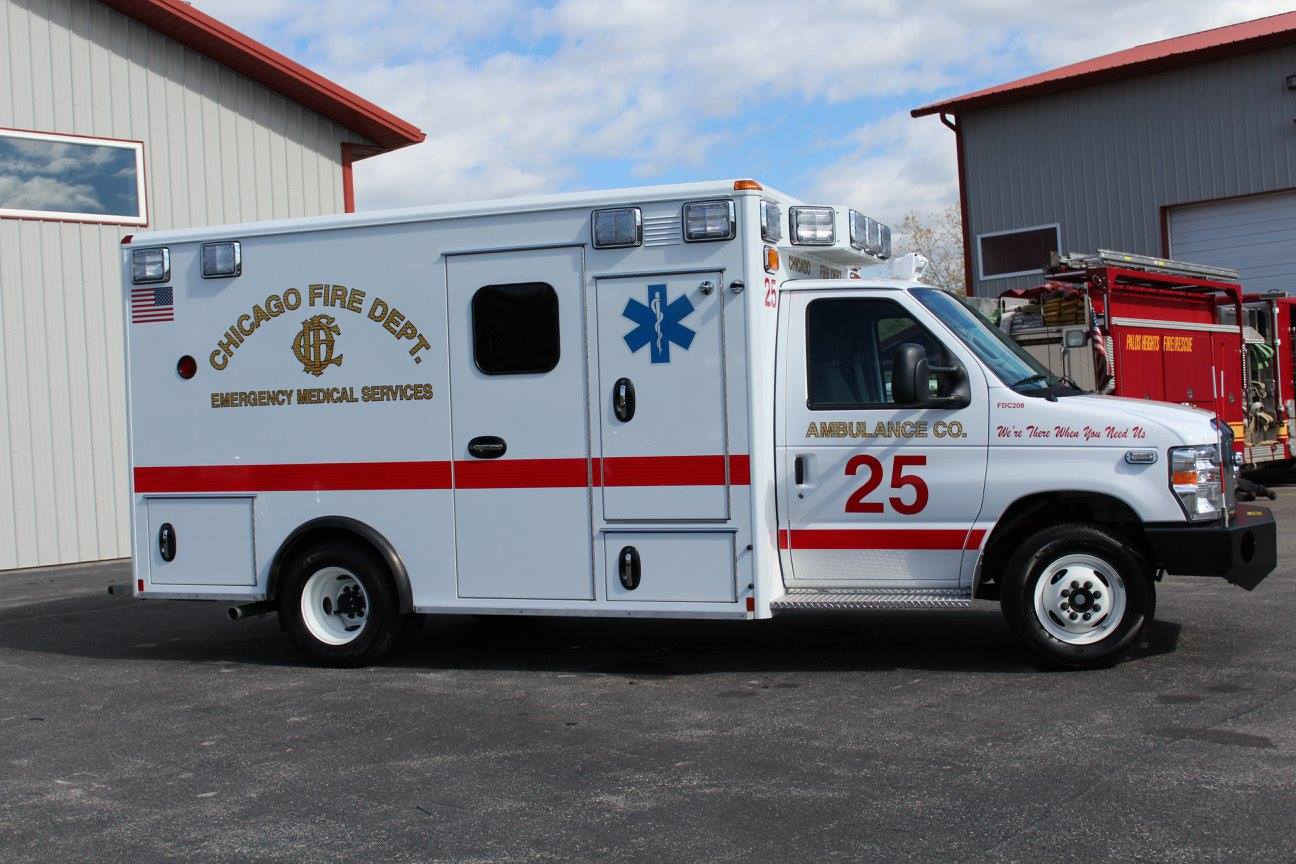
<point>200,541</point>
<point>681,566</point>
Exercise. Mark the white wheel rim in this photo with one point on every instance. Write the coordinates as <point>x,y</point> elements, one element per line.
<point>1079,599</point>
<point>334,605</point>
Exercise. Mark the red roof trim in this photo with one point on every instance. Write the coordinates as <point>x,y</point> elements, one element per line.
<point>1216,44</point>
<point>264,65</point>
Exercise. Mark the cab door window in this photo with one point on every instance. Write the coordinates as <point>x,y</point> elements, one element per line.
<point>851,345</point>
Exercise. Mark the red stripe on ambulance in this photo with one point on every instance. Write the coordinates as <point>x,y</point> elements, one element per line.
<point>307,477</point>
<point>474,474</point>
<point>940,539</point>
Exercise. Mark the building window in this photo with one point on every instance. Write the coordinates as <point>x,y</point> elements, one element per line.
<point>515,328</point>
<point>65,177</point>
<point>851,346</point>
<point>1017,252</point>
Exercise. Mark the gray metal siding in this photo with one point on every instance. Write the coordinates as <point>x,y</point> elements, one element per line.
<point>1102,161</point>
<point>218,148</point>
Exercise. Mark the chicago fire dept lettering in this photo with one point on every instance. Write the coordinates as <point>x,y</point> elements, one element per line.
<point>307,348</point>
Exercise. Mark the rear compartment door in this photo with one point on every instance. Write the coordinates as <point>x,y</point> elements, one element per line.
<point>521,449</point>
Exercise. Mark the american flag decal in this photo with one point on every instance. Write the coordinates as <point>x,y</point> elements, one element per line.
<point>152,304</point>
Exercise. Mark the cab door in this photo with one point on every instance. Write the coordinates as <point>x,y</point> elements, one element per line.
<point>876,494</point>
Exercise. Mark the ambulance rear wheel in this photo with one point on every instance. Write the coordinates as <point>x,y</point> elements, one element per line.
<point>1077,596</point>
<point>339,605</point>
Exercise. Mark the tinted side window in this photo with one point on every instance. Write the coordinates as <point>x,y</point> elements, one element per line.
<point>850,349</point>
<point>515,328</point>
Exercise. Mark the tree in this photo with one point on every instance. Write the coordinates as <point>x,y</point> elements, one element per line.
<point>938,237</point>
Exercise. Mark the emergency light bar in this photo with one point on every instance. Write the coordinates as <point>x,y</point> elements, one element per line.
<point>617,228</point>
<point>771,221</point>
<point>150,265</point>
<point>221,260</point>
<point>812,226</point>
<point>709,220</point>
<point>869,235</point>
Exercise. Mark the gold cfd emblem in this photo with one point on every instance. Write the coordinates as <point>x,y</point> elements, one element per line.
<point>314,344</point>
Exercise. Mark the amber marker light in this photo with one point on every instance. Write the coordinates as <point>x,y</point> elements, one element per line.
<point>771,259</point>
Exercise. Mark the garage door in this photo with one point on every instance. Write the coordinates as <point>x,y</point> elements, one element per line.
<point>1256,236</point>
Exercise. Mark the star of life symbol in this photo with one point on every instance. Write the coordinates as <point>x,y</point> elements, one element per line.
<point>659,323</point>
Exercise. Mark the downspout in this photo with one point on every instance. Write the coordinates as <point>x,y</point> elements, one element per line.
<point>348,179</point>
<point>957,129</point>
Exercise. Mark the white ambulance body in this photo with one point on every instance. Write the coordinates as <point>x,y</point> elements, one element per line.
<point>669,401</point>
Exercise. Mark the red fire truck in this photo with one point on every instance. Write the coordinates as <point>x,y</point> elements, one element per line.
<point>1266,321</point>
<point>1140,327</point>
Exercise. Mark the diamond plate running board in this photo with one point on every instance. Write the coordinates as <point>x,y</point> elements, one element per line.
<point>876,598</point>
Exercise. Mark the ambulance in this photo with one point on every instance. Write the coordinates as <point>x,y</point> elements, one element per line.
<point>706,401</point>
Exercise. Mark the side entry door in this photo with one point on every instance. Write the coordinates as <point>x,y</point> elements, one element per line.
<point>877,494</point>
<point>521,453</point>
<point>661,382</point>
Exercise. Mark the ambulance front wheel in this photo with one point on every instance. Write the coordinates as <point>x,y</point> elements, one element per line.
<point>1077,596</point>
<point>338,603</point>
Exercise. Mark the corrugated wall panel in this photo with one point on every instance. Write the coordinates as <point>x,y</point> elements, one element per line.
<point>217,149</point>
<point>1104,160</point>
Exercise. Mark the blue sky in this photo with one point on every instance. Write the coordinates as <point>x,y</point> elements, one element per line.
<point>521,98</point>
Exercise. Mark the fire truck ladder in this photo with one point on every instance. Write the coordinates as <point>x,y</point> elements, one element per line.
<point>1130,261</point>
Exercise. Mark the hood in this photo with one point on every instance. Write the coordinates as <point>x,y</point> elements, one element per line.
<point>1178,419</point>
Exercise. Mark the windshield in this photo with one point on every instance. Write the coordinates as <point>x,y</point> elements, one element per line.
<point>1008,360</point>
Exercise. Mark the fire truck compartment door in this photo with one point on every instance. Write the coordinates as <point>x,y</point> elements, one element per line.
<point>660,339</point>
<point>521,452</point>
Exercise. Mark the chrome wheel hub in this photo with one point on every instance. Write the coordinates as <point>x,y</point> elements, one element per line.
<point>1079,599</point>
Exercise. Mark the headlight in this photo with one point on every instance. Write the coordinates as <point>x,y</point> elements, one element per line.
<point>1196,479</point>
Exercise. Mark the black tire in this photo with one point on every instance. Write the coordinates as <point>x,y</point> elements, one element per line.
<point>382,624</point>
<point>1036,555</point>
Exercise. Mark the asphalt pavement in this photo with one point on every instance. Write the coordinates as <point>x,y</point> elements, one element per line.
<point>135,731</point>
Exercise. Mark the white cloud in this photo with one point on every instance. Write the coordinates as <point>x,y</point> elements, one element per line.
<point>48,194</point>
<point>899,164</point>
<point>517,98</point>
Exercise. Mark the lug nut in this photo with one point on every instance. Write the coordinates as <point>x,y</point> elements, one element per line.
<point>1087,616</point>
<point>1097,595</point>
<point>1097,608</point>
<point>1075,584</point>
<point>1065,592</point>
<point>1074,616</point>
<point>1088,585</point>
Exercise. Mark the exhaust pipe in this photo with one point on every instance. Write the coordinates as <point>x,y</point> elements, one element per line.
<point>250,610</point>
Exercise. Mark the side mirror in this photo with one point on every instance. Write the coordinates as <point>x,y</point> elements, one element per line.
<point>910,375</point>
<point>911,381</point>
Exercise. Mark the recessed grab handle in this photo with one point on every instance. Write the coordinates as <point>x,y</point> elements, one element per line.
<point>628,567</point>
<point>623,399</point>
<point>487,447</point>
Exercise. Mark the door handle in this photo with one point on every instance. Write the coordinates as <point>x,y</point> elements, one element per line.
<point>623,399</point>
<point>798,470</point>
<point>628,567</point>
<point>487,447</point>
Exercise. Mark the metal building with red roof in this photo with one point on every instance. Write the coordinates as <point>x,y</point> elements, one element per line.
<point>116,115</point>
<point>1183,147</point>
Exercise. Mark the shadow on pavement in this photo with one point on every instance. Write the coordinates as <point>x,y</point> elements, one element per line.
<point>103,628</point>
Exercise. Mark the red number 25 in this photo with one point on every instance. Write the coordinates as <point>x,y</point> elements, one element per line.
<point>899,480</point>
